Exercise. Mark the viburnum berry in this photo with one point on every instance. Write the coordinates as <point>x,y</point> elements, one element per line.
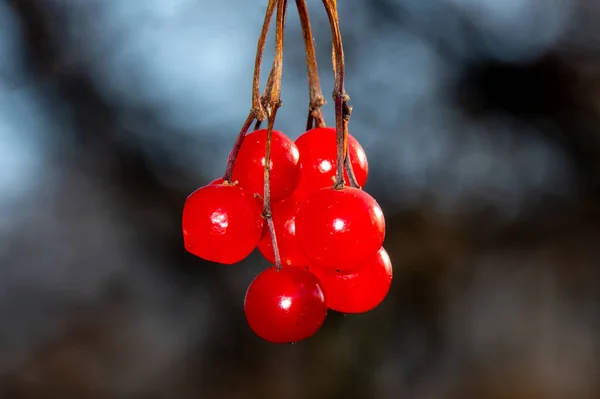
<point>284,221</point>
<point>317,149</point>
<point>339,228</point>
<point>285,306</point>
<point>357,291</point>
<point>221,223</point>
<point>250,163</point>
<point>257,197</point>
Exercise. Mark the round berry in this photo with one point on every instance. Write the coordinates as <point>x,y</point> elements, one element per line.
<point>357,291</point>
<point>318,159</point>
<point>339,228</point>
<point>221,223</point>
<point>285,306</point>
<point>250,162</point>
<point>284,221</point>
<point>220,181</point>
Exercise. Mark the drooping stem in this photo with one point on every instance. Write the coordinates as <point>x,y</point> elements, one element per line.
<point>267,190</point>
<point>271,100</point>
<point>349,171</point>
<point>237,145</point>
<point>257,112</point>
<point>340,98</point>
<point>256,103</point>
<point>316,99</point>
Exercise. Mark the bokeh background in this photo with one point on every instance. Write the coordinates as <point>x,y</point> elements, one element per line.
<point>481,120</point>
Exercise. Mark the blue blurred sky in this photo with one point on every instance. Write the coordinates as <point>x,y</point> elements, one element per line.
<point>189,63</point>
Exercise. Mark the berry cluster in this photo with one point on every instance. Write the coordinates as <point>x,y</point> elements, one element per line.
<point>299,202</point>
<point>329,239</point>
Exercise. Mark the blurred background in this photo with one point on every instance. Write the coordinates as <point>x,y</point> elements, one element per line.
<point>481,120</point>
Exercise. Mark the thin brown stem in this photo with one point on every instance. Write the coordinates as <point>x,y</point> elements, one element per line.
<point>316,99</point>
<point>309,121</point>
<point>342,111</point>
<point>348,165</point>
<point>237,145</point>
<point>257,112</point>
<point>350,172</point>
<point>267,168</point>
<point>267,97</point>
<point>257,124</point>
<point>272,93</point>
<point>256,99</point>
<point>271,100</point>
<point>267,191</point>
<point>271,227</point>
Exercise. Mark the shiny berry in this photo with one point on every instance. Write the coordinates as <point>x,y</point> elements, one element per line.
<point>220,180</point>
<point>357,291</point>
<point>284,221</point>
<point>318,153</point>
<point>250,162</point>
<point>221,223</point>
<point>339,229</point>
<point>285,306</point>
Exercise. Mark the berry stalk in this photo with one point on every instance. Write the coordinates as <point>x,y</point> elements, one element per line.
<point>342,110</point>
<point>257,106</point>
<point>257,112</point>
<point>237,145</point>
<point>272,101</point>
<point>267,188</point>
<point>347,161</point>
<point>316,99</point>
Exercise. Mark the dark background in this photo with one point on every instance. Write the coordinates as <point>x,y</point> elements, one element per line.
<point>481,120</point>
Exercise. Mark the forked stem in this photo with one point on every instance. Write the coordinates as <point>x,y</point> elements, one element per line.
<point>316,99</point>
<point>340,98</point>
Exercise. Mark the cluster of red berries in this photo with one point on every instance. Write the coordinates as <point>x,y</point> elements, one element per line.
<point>329,239</point>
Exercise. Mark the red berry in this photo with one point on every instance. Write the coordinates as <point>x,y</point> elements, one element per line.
<point>285,306</point>
<point>339,229</point>
<point>358,291</point>
<point>221,223</point>
<point>257,198</point>
<point>250,162</point>
<point>284,221</point>
<point>318,159</point>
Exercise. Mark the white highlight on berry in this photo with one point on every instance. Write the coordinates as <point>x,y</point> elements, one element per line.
<point>325,166</point>
<point>285,303</point>
<point>339,224</point>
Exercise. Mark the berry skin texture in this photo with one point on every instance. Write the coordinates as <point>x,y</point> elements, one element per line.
<point>220,181</point>
<point>284,221</point>
<point>339,229</point>
<point>221,224</point>
<point>359,291</point>
<point>249,165</point>
<point>285,306</point>
<point>318,160</point>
